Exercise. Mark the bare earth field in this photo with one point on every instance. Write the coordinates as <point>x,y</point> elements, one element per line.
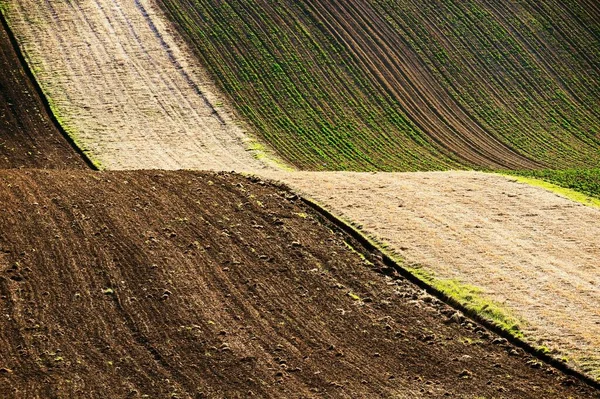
<point>28,137</point>
<point>530,250</point>
<point>195,285</point>
<point>124,86</point>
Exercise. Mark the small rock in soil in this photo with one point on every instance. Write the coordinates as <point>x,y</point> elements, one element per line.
<point>465,374</point>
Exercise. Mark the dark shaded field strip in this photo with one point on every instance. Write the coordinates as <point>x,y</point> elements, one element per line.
<point>44,101</point>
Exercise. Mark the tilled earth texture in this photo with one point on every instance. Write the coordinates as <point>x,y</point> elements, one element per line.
<point>529,250</point>
<point>198,285</point>
<point>28,137</point>
<point>125,88</point>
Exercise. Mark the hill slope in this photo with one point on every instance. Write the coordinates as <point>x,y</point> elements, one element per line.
<point>186,285</point>
<point>528,250</point>
<point>409,85</point>
<point>28,137</point>
<point>125,86</point>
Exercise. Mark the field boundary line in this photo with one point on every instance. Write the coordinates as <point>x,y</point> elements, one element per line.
<point>369,248</point>
<point>40,92</point>
<point>563,192</point>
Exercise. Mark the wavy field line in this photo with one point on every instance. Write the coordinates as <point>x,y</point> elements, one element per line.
<point>528,249</point>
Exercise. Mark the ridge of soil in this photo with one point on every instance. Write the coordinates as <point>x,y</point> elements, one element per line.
<point>193,284</point>
<point>28,136</point>
<point>533,252</point>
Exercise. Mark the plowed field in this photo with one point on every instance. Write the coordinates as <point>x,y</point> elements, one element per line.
<point>531,251</point>
<point>408,85</point>
<point>184,284</point>
<point>28,137</point>
<point>125,88</point>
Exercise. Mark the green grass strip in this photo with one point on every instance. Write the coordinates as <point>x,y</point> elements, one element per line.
<point>472,298</point>
<point>572,194</point>
<point>469,297</point>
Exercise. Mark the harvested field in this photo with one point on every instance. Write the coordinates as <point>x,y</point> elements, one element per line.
<point>28,136</point>
<point>531,251</point>
<point>123,86</point>
<point>183,284</point>
<point>408,85</point>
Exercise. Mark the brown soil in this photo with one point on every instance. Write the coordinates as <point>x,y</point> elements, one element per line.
<point>532,251</point>
<point>183,284</point>
<point>125,87</point>
<point>28,137</point>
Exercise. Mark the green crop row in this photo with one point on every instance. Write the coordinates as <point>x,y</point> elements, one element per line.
<point>337,86</point>
<point>487,62</point>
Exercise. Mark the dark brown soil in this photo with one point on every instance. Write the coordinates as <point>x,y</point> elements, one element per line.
<point>192,285</point>
<point>28,137</point>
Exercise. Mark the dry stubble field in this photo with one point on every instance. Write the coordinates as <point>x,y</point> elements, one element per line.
<point>530,250</point>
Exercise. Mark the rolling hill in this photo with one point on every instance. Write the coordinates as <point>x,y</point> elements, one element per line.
<point>411,85</point>
<point>193,284</point>
<point>196,285</point>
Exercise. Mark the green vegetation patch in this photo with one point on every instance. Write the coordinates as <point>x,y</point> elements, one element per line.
<point>581,185</point>
<point>473,299</point>
<point>358,85</point>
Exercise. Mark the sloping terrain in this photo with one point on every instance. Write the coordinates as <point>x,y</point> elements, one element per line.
<point>28,137</point>
<point>408,85</point>
<point>125,88</point>
<point>586,181</point>
<point>183,284</point>
<point>527,249</point>
<point>197,285</point>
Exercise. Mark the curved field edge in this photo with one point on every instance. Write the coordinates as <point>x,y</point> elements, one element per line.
<point>53,110</point>
<point>467,298</point>
<point>127,89</point>
<point>31,134</point>
<point>492,246</point>
<point>318,82</point>
<point>581,185</point>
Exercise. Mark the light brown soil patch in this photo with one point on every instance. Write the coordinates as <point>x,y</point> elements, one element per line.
<point>123,85</point>
<point>532,251</point>
<point>193,285</point>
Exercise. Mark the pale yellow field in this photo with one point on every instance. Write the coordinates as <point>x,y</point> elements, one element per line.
<point>124,85</point>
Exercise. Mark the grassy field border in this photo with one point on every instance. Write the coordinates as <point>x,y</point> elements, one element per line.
<point>564,192</point>
<point>48,105</point>
<point>460,296</point>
